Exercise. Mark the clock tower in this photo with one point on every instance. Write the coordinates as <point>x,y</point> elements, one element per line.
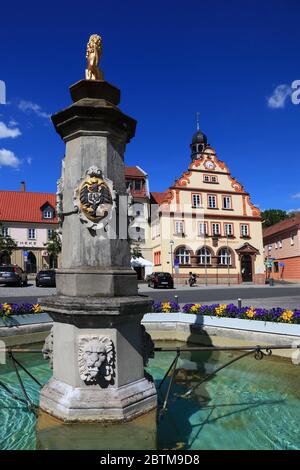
<point>198,145</point>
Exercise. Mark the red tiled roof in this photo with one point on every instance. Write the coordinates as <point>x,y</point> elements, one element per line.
<point>157,197</point>
<point>18,206</point>
<point>281,226</point>
<point>133,171</point>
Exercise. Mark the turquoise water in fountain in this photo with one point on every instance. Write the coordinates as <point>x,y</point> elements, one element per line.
<point>249,405</point>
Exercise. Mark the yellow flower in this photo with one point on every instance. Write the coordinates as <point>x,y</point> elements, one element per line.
<point>36,308</point>
<point>287,315</point>
<point>6,308</point>
<point>220,309</point>
<point>195,308</point>
<point>166,307</point>
<point>250,312</point>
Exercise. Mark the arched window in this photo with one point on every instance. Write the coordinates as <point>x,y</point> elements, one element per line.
<point>224,257</point>
<point>183,255</point>
<point>204,256</point>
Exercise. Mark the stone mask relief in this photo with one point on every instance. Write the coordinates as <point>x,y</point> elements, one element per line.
<point>96,360</point>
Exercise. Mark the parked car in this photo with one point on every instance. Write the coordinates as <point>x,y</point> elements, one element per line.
<point>159,279</point>
<point>45,278</point>
<point>12,275</point>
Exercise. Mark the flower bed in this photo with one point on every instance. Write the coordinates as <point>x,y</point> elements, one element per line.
<point>280,315</point>
<point>7,310</point>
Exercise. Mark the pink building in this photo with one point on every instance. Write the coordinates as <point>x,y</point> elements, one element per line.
<point>282,248</point>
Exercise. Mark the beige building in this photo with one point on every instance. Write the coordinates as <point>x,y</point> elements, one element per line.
<point>206,223</point>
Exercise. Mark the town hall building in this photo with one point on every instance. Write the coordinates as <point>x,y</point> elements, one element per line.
<point>205,223</point>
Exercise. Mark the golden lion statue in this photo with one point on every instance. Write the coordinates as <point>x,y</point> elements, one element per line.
<point>93,54</point>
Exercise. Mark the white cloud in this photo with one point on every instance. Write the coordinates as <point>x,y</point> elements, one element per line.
<point>291,211</point>
<point>8,158</point>
<point>8,132</point>
<point>13,123</point>
<point>29,107</point>
<point>279,96</point>
<point>296,196</point>
<point>29,160</point>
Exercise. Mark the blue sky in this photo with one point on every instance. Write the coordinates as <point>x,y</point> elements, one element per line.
<point>222,58</point>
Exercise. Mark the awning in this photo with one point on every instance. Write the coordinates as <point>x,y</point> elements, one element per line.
<point>140,262</point>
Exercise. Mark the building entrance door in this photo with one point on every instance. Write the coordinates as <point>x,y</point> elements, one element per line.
<point>31,263</point>
<point>246,268</point>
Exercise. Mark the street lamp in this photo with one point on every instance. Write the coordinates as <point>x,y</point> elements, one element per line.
<point>228,268</point>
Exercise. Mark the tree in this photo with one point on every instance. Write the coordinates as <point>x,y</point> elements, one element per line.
<point>53,246</point>
<point>136,251</point>
<point>7,244</point>
<point>273,216</point>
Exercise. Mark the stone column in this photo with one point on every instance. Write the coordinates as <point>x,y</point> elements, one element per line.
<point>99,346</point>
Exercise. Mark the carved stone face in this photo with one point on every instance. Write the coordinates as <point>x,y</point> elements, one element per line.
<point>95,356</point>
<point>96,359</point>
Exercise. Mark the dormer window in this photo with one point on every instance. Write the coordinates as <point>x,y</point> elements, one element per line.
<point>47,211</point>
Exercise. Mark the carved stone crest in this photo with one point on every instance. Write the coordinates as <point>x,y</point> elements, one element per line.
<point>96,359</point>
<point>94,198</point>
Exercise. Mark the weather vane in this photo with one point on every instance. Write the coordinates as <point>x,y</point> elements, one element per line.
<point>197,121</point>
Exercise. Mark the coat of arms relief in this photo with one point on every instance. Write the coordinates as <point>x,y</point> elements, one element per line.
<point>94,199</point>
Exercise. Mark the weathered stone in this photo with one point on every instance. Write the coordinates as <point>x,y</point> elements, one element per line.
<point>99,346</point>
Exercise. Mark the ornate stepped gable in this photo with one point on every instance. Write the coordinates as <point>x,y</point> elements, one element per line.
<point>209,162</point>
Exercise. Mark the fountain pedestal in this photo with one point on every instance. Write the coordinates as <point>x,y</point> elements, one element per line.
<point>99,345</point>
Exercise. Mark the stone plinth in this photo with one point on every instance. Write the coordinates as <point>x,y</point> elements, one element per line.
<point>128,393</point>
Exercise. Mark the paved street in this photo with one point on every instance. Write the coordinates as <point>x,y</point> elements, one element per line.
<point>264,296</point>
<point>28,294</point>
<point>257,296</point>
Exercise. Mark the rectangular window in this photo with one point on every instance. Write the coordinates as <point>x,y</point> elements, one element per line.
<point>245,230</point>
<point>179,227</point>
<point>137,185</point>
<point>202,229</point>
<point>215,229</point>
<point>196,200</point>
<point>47,214</point>
<point>31,234</point>
<point>214,179</point>
<point>292,240</point>
<point>50,232</point>
<point>5,232</point>
<point>157,255</point>
<point>228,229</point>
<point>275,266</point>
<point>212,201</point>
<point>155,230</point>
<point>206,178</point>
<point>226,202</point>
